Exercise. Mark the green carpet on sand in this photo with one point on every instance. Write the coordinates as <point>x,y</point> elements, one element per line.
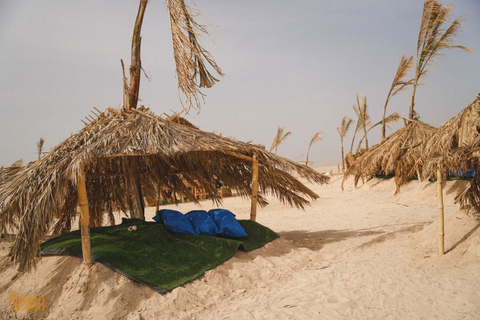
<point>156,257</point>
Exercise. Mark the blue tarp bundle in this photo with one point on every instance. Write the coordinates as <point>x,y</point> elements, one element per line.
<point>202,222</point>
<point>466,174</point>
<point>217,222</point>
<point>175,221</point>
<point>227,224</point>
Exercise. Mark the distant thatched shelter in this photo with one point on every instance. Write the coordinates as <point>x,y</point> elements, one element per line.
<point>383,158</point>
<point>460,132</point>
<point>118,156</point>
<point>10,172</point>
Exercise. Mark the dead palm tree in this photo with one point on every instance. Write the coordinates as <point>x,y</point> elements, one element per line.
<point>279,138</point>
<point>315,138</point>
<point>342,130</point>
<point>398,85</point>
<point>432,38</point>
<point>362,118</point>
<point>190,57</point>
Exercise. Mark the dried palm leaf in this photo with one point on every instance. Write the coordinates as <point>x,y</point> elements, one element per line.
<point>191,59</point>
<point>315,138</point>
<point>398,85</point>
<point>279,138</point>
<point>432,37</point>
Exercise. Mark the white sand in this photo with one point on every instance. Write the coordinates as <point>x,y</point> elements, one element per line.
<point>357,254</point>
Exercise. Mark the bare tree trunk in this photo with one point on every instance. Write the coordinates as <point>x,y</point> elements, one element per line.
<point>135,63</point>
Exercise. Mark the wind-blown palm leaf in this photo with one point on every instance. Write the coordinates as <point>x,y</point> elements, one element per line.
<point>279,138</point>
<point>315,138</point>
<point>190,57</point>
<point>398,84</point>
<point>432,37</point>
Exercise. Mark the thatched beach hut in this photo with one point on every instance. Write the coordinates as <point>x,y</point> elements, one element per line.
<point>382,158</point>
<point>118,157</point>
<point>452,148</point>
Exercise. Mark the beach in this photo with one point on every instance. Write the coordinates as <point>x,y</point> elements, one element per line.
<point>361,253</point>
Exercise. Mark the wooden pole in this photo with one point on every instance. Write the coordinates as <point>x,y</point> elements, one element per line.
<point>253,211</point>
<point>157,206</point>
<point>441,229</point>
<point>84,220</point>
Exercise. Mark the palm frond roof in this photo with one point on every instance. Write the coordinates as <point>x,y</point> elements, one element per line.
<point>383,158</point>
<point>169,158</point>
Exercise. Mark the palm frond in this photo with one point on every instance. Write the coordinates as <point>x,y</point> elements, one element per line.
<point>399,83</point>
<point>279,138</point>
<point>343,129</point>
<point>191,58</point>
<point>432,37</point>
<point>315,139</point>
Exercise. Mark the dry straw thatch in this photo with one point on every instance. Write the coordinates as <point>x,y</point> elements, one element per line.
<point>383,158</point>
<point>117,146</point>
<point>460,132</point>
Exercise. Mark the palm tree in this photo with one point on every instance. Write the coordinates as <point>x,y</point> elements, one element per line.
<point>315,138</point>
<point>362,119</point>
<point>279,138</point>
<point>432,38</point>
<point>342,130</point>
<point>190,57</point>
<point>398,85</point>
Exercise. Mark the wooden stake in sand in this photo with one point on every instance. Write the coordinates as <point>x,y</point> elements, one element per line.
<point>253,211</point>
<point>84,220</point>
<point>441,229</point>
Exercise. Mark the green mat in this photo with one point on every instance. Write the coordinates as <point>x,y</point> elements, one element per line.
<point>156,257</point>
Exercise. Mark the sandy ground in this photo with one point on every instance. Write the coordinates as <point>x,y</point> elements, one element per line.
<point>362,253</point>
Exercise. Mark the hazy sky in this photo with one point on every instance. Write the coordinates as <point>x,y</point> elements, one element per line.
<point>297,64</point>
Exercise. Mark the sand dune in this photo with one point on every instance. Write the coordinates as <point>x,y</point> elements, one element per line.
<point>362,253</point>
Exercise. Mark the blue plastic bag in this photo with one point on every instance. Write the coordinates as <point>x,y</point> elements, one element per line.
<point>202,222</point>
<point>176,222</point>
<point>227,224</point>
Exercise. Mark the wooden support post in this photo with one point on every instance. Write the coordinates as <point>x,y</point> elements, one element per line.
<point>253,210</point>
<point>441,229</point>
<point>134,186</point>
<point>157,206</point>
<point>84,220</point>
<point>419,176</point>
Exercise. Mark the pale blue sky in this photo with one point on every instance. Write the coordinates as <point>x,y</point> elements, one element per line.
<point>296,64</point>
